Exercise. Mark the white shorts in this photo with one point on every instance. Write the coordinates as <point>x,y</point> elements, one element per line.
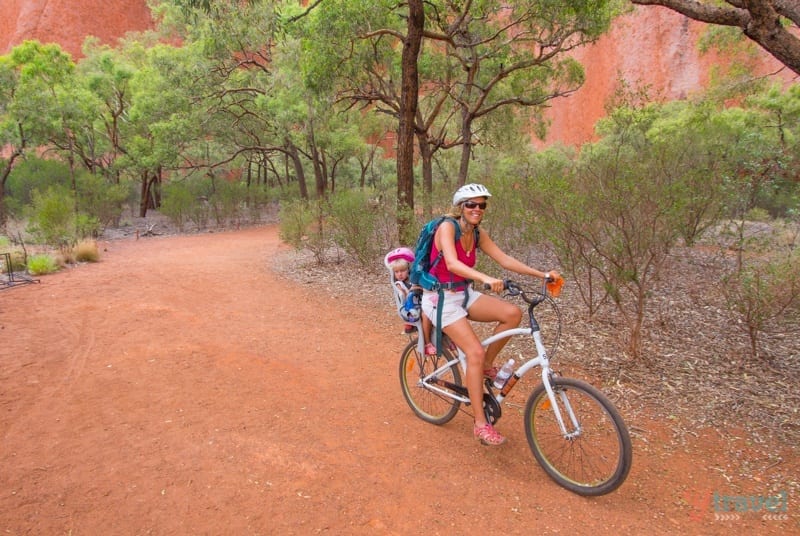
<point>454,308</point>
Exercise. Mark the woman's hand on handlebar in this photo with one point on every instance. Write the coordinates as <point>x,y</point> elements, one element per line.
<point>552,275</point>
<point>495,285</point>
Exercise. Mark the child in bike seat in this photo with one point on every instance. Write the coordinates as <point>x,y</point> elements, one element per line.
<point>399,262</point>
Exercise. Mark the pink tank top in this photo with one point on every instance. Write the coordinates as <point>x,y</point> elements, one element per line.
<point>440,270</point>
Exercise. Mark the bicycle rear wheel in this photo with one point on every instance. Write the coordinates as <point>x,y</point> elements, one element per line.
<point>430,406</point>
<point>596,456</point>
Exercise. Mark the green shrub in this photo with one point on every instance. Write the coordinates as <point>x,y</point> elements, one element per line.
<point>295,220</point>
<point>34,174</point>
<point>42,264</point>
<point>758,214</point>
<point>764,296</point>
<point>177,203</point>
<point>52,216</point>
<point>355,225</point>
<point>228,200</point>
<point>101,200</point>
<point>304,225</point>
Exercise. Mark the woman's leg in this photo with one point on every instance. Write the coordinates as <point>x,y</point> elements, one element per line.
<point>493,309</point>
<point>462,334</point>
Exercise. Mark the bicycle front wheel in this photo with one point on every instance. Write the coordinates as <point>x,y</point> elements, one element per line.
<point>595,455</point>
<point>428,405</point>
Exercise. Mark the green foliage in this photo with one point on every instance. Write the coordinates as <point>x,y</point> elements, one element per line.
<point>229,200</point>
<point>764,297</point>
<point>18,261</point>
<point>53,220</point>
<point>304,225</point>
<point>100,199</point>
<point>355,220</point>
<point>52,217</point>
<point>178,202</point>
<point>42,264</point>
<point>34,174</point>
<point>615,216</point>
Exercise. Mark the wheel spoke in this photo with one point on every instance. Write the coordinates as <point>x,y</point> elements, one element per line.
<point>428,405</point>
<point>594,461</point>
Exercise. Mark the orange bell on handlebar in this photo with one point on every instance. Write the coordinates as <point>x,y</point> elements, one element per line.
<point>554,286</point>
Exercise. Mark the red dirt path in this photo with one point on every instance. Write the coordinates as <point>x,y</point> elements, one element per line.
<point>180,387</point>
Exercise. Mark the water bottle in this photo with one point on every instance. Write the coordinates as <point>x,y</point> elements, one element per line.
<point>504,374</point>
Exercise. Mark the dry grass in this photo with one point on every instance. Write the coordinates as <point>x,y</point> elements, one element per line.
<point>86,251</point>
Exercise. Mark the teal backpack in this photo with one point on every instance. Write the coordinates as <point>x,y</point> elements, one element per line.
<point>420,271</point>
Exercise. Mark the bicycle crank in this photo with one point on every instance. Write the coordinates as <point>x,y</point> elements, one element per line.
<point>491,408</point>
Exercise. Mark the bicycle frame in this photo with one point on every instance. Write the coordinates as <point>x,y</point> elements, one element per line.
<point>541,360</point>
<point>590,455</point>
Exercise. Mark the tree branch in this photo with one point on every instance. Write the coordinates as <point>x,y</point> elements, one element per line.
<point>759,20</point>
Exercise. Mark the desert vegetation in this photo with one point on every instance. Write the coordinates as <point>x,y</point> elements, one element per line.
<point>229,109</point>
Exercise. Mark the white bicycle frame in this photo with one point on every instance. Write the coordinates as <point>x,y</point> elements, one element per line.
<point>541,360</point>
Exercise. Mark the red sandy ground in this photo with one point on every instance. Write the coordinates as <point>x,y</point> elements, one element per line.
<point>180,387</point>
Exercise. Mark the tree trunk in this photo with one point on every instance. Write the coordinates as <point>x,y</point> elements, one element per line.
<point>144,194</point>
<point>408,111</point>
<point>426,156</point>
<point>466,147</point>
<point>298,168</point>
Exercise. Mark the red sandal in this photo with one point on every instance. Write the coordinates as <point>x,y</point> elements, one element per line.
<point>487,435</point>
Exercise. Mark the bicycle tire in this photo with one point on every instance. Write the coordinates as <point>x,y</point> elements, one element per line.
<point>428,405</point>
<point>594,462</point>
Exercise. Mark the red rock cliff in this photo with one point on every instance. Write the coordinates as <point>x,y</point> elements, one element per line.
<point>68,22</point>
<point>652,46</point>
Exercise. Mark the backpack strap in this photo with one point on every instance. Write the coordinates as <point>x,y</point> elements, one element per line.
<point>451,285</point>
<point>458,237</point>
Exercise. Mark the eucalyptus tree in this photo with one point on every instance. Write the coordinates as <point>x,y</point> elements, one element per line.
<point>476,58</point>
<point>374,56</point>
<point>106,73</point>
<point>253,85</point>
<point>511,54</point>
<point>32,76</point>
<point>163,126</point>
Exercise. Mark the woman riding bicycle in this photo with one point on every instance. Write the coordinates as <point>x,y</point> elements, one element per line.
<point>458,265</point>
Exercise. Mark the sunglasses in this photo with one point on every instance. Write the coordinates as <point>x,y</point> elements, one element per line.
<point>475,204</point>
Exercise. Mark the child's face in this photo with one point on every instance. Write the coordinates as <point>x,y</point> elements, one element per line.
<point>401,274</point>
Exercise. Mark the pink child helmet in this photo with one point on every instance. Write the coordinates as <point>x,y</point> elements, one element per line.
<point>400,253</point>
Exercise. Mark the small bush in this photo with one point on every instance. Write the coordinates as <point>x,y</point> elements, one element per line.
<point>87,251</point>
<point>304,225</point>
<point>42,264</point>
<point>764,297</point>
<point>177,203</point>
<point>758,214</point>
<point>52,218</point>
<point>355,225</point>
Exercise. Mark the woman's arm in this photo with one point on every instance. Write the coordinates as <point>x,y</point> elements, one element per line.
<point>506,261</point>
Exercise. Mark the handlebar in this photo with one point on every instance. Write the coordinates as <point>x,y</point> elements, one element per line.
<point>513,288</point>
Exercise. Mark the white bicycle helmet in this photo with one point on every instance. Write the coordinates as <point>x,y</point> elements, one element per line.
<point>468,191</point>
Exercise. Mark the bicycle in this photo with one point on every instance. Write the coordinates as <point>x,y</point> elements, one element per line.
<point>575,432</point>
